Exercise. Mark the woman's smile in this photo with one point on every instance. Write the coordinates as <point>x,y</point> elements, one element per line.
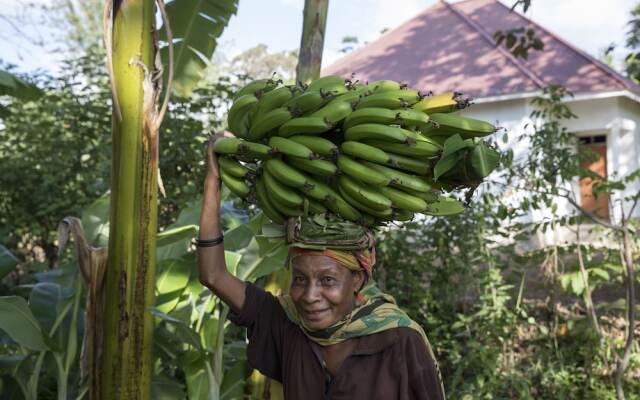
<point>314,315</point>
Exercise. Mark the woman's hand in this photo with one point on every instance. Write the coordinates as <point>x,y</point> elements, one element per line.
<point>211,199</point>
<point>211,265</point>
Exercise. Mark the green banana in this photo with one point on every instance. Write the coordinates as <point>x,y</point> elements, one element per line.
<point>322,168</point>
<point>369,153</point>
<point>268,122</point>
<point>317,190</point>
<point>420,120</point>
<point>368,220</point>
<point>237,186</point>
<point>402,215</point>
<point>418,149</point>
<point>438,139</point>
<point>364,152</point>
<point>378,132</point>
<point>265,204</point>
<point>291,148</point>
<point>317,144</point>
<point>429,197</point>
<point>416,136</point>
<point>260,85</point>
<point>334,112</point>
<point>329,82</point>
<point>352,97</point>
<point>307,102</point>
<point>419,167</point>
<point>400,179</point>
<point>274,99</point>
<point>286,174</point>
<point>448,124</point>
<point>304,125</point>
<point>237,116</point>
<point>356,170</point>
<point>369,197</point>
<point>286,210</point>
<point>442,103</point>
<point>393,99</point>
<point>233,167</point>
<point>371,115</point>
<point>232,145</point>
<point>280,193</point>
<point>404,200</point>
<point>339,206</point>
<point>385,85</point>
<point>387,212</point>
<point>315,207</point>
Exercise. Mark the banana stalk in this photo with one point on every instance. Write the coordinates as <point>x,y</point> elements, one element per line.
<point>309,61</point>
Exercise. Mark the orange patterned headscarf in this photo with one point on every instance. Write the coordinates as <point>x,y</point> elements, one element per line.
<point>354,260</point>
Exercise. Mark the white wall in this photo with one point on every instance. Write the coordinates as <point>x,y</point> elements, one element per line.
<point>616,117</point>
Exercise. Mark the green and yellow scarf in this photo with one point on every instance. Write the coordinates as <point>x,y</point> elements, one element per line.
<point>377,311</point>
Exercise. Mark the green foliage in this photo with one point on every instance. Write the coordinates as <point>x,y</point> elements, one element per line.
<point>632,60</point>
<point>518,41</point>
<point>55,152</point>
<point>42,359</point>
<point>11,85</point>
<point>259,62</point>
<point>7,261</point>
<point>196,26</point>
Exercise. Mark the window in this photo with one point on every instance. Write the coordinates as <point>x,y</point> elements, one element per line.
<point>593,153</point>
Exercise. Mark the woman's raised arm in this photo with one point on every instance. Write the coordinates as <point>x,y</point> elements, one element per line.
<point>211,264</point>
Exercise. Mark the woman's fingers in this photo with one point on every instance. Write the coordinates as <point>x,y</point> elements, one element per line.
<point>212,160</point>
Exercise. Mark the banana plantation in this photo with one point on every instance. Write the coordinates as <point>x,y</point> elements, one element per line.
<point>164,141</point>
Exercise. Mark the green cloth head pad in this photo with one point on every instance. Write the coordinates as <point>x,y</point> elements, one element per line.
<point>322,231</point>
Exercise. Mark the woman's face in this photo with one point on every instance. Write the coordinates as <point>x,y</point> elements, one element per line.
<point>322,290</point>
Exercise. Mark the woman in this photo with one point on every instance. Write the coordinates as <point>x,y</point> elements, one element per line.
<point>324,340</point>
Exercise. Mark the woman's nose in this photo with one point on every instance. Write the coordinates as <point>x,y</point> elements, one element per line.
<point>311,293</point>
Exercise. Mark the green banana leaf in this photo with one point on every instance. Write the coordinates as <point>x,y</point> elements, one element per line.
<point>484,160</point>
<point>95,221</point>
<point>11,85</point>
<point>165,388</point>
<point>17,320</point>
<point>7,261</point>
<point>196,26</point>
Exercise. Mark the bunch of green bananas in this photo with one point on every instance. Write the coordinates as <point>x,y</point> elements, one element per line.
<point>370,153</point>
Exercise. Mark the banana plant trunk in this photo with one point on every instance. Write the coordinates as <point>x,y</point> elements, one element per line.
<point>126,363</point>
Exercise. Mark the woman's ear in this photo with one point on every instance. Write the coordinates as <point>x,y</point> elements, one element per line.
<point>359,280</point>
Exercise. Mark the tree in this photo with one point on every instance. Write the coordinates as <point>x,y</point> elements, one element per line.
<point>53,154</point>
<point>258,62</point>
<point>632,60</point>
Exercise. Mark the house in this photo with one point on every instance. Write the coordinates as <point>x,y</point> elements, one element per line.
<point>450,46</point>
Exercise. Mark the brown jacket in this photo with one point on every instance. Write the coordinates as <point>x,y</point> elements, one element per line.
<point>392,364</point>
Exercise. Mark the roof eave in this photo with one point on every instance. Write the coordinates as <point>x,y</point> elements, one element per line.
<point>577,97</point>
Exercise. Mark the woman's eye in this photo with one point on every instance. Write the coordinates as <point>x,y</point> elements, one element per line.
<point>328,280</point>
<point>298,279</point>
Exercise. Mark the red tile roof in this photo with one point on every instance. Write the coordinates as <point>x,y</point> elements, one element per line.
<point>451,47</point>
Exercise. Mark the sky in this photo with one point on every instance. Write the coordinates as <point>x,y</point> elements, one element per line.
<point>588,24</point>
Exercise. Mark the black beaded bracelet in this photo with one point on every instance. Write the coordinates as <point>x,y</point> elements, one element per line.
<point>208,242</point>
